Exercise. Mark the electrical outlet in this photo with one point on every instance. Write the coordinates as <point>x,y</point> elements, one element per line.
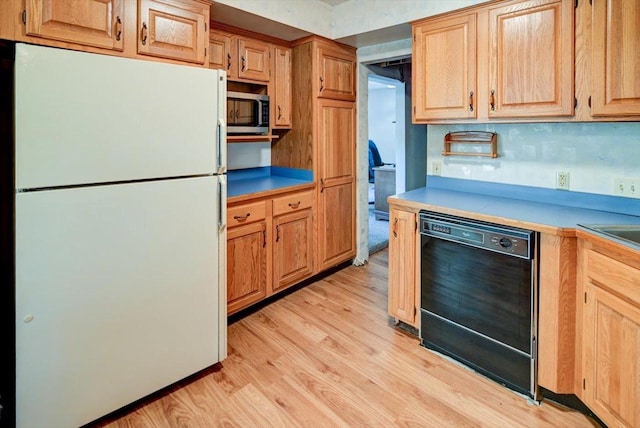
<point>562,180</point>
<point>436,168</point>
<point>629,187</point>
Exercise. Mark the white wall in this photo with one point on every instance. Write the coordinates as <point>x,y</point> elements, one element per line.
<point>382,117</point>
<point>248,155</point>
<point>531,154</point>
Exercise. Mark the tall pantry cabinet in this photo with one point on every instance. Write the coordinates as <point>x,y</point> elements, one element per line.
<point>323,140</point>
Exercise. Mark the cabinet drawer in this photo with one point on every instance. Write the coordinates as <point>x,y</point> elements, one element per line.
<point>290,203</point>
<point>618,278</point>
<point>245,214</point>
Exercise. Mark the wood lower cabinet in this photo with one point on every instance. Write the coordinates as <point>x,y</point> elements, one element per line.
<point>615,34</point>
<point>269,246</point>
<point>292,249</point>
<point>610,280</point>
<point>98,23</point>
<point>246,265</point>
<point>173,29</point>
<point>403,266</point>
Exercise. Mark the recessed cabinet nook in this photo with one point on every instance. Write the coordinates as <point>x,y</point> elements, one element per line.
<point>288,237</point>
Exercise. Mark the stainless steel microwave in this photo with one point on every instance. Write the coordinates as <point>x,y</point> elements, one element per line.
<point>247,113</point>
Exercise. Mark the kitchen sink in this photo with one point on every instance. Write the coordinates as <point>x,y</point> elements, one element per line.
<point>625,232</point>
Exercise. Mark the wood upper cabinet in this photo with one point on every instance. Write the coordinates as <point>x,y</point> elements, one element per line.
<point>254,60</point>
<point>281,103</point>
<point>247,256</point>
<point>336,73</point>
<point>336,166</point>
<point>243,58</point>
<point>611,334</point>
<point>97,23</point>
<point>444,57</point>
<point>615,32</point>
<point>510,59</point>
<point>220,51</point>
<point>403,266</point>
<point>531,59</point>
<point>174,29</point>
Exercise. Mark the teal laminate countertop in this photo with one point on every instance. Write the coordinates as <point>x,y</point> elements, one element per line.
<point>255,181</point>
<point>534,215</point>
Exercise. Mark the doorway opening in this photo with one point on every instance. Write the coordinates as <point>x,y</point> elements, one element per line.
<point>385,111</point>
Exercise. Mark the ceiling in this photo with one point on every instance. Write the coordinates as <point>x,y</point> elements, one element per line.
<point>243,19</point>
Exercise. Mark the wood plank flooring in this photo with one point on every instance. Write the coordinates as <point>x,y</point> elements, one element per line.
<point>328,355</point>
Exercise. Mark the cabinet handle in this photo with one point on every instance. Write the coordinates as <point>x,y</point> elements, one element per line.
<point>294,205</point>
<point>395,227</point>
<point>321,185</point>
<point>321,83</point>
<point>118,28</point>
<point>471,101</point>
<point>493,100</point>
<point>277,233</point>
<point>144,33</point>
<point>244,63</point>
<point>279,113</point>
<point>264,238</point>
<point>241,217</point>
<point>228,61</point>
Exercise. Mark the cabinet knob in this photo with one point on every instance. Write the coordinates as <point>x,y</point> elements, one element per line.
<point>241,217</point>
<point>143,34</point>
<point>118,28</point>
<point>294,205</point>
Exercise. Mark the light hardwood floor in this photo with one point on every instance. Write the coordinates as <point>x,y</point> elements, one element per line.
<point>328,355</point>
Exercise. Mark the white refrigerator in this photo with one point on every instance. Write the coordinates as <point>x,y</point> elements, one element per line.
<point>120,281</point>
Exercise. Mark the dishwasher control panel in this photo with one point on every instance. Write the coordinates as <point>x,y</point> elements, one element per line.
<point>489,236</point>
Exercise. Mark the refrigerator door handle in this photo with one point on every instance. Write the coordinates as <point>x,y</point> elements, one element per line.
<point>222,125</point>
<point>221,163</point>
<point>222,198</point>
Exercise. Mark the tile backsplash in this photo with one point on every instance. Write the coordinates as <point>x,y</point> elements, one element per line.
<point>531,154</point>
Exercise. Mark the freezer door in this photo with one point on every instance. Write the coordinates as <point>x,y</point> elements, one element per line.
<point>89,118</point>
<point>117,295</point>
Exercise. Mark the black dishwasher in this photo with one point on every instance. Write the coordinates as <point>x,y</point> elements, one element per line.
<point>479,294</point>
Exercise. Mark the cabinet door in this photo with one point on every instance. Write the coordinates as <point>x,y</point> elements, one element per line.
<point>531,59</point>
<point>246,265</point>
<point>253,57</point>
<point>616,62</point>
<point>292,249</point>
<point>444,66</point>
<point>173,29</point>
<point>220,48</point>
<point>336,206</point>
<point>96,23</point>
<point>337,74</point>
<point>612,358</point>
<point>402,266</point>
<point>282,95</point>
